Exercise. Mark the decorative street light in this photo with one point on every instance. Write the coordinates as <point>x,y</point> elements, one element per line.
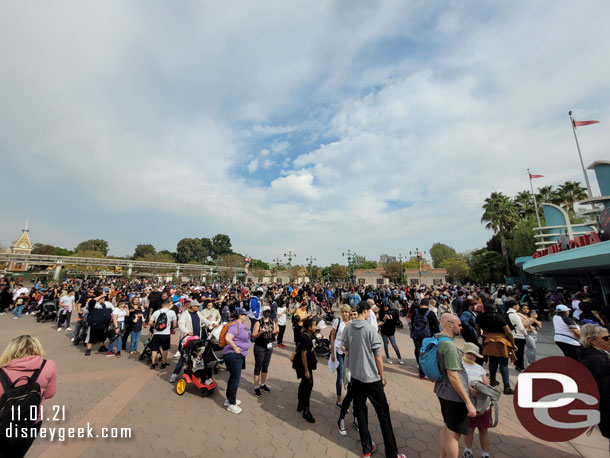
<point>419,255</point>
<point>289,256</point>
<point>277,262</point>
<point>400,258</point>
<point>310,260</point>
<point>350,268</point>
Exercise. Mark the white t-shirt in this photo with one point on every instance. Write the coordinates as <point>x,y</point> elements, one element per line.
<point>281,319</point>
<point>373,319</point>
<point>120,314</point>
<point>339,326</point>
<point>67,302</point>
<point>171,316</point>
<point>576,308</point>
<point>563,333</point>
<point>475,372</point>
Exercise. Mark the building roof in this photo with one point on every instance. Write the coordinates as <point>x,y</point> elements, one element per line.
<point>23,242</point>
<point>588,258</point>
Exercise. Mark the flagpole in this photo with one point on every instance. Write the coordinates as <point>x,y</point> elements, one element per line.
<point>584,171</point>
<point>534,195</point>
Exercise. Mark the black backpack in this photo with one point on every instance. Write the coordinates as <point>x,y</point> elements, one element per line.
<point>161,323</point>
<point>17,403</point>
<point>508,322</point>
<point>421,326</point>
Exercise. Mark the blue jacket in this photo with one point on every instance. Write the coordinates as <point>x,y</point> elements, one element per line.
<point>255,307</point>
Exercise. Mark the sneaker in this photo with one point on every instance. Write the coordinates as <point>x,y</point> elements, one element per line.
<point>355,423</point>
<point>87,352</point>
<point>338,405</point>
<point>494,383</point>
<point>373,450</point>
<point>257,392</point>
<point>401,362</point>
<point>109,353</point>
<point>177,355</point>
<point>265,388</point>
<point>153,366</point>
<point>58,329</point>
<point>68,329</point>
<point>508,390</point>
<point>72,339</point>
<point>388,361</point>
<point>234,409</point>
<point>118,354</point>
<point>281,346</point>
<point>468,454</point>
<point>15,318</point>
<point>173,378</point>
<point>164,365</point>
<point>341,425</point>
<point>237,402</point>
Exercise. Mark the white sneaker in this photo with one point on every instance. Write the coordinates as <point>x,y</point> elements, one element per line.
<point>72,339</point>
<point>177,355</point>
<point>173,378</point>
<point>237,402</point>
<point>68,329</point>
<point>401,362</point>
<point>234,409</point>
<point>15,318</point>
<point>388,361</point>
<point>58,329</point>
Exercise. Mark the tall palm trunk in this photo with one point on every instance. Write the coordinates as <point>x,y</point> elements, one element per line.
<point>504,251</point>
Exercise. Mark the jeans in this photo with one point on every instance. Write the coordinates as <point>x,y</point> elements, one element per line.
<point>135,339</point>
<point>234,364</point>
<point>347,400</point>
<point>494,362</point>
<point>530,347</point>
<point>418,344</point>
<point>117,342</point>
<point>392,340</point>
<point>63,318</point>
<point>520,343</point>
<point>374,393</point>
<point>77,328</point>
<point>179,365</point>
<point>18,310</point>
<point>340,359</point>
<point>305,389</point>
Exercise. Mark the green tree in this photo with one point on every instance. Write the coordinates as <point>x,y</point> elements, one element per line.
<point>221,245</point>
<point>457,269</point>
<point>258,264</point>
<point>522,241</point>
<point>164,256</point>
<point>548,194</point>
<point>143,250</point>
<point>524,203</point>
<point>335,272</point>
<point>232,260</point>
<point>393,271</point>
<point>385,259</point>
<point>88,254</point>
<point>43,248</point>
<point>571,192</point>
<point>486,266</point>
<point>500,215</point>
<point>190,249</point>
<point>441,252</point>
<point>367,265</point>
<point>60,251</point>
<point>93,245</point>
<point>168,253</point>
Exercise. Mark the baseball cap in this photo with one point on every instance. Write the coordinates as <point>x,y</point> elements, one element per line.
<point>562,308</point>
<point>242,311</point>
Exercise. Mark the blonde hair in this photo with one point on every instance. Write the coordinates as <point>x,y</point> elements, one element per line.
<point>346,308</point>
<point>20,347</point>
<point>590,332</point>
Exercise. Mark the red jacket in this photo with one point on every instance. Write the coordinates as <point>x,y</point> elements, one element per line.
<point>26,366</point>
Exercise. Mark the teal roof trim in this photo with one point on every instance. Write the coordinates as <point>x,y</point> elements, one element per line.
<point>587,258</point>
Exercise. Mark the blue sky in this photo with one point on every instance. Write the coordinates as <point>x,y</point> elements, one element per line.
<point>315,127</point>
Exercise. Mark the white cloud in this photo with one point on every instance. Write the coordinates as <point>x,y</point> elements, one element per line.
<point>253,166</point>
<point>280,147</point>
<point>298,185</point>
<point>264,152</point>
<point>268,163</point>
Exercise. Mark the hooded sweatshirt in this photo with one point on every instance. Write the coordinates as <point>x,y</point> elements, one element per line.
<point>26,367</point>
<point>362,342</point>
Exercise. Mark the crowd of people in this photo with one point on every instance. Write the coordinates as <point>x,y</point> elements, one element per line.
<point>498,325</point>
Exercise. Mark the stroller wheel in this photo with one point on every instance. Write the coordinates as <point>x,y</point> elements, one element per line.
<point>211,392</point>
<point>181,387</point>
<point>204,392</point>
<point>39,318</point>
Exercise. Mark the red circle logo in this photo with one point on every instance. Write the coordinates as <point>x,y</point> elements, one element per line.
<point>556,399</point>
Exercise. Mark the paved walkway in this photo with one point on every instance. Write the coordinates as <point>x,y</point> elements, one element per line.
<point>112,392</point>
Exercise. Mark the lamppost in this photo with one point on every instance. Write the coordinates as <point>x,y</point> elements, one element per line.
<point>277,262</point>
<point>310,260</point>
<point>350,268</point>
<point>419,255</point>
<point>289,256</point>
<point>400,258</point>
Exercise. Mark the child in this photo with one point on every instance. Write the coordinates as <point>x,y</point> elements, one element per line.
<point>476,374</point>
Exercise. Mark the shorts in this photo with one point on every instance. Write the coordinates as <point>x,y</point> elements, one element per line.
<point>455,416</point>
<point>262,358</point>
<point>480,421</point>
<point>95,335</point>
<point>160,341</point>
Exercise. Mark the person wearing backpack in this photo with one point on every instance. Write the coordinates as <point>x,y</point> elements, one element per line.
<point>424,323</point>
<point>161,324</point>
<point>452,389</point>
<point>22,364</point>
<point>519,333</point>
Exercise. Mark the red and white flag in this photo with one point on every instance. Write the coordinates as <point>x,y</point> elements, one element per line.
<point>584,123</point>
<point>536,176</point>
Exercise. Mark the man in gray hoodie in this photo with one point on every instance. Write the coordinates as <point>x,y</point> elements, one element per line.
<point>363,344</point>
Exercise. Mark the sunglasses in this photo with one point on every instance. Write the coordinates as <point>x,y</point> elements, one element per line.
<point>606,338</point>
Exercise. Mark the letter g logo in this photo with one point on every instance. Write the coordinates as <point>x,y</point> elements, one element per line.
<point>556,399</point>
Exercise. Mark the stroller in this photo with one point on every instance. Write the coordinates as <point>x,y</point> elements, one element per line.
<point>329,317</point>
<point>146,353</point>
<point>321,345</point>
<point>199,359</point>
<point>47,312</point>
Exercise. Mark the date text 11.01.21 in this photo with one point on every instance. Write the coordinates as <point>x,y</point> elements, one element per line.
<point>35,412</point>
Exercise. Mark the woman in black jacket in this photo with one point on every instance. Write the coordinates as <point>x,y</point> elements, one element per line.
<point>595,356</point>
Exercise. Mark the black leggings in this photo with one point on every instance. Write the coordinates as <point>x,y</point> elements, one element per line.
<point>347,400</point>
<point>568,350</point>
<point>305,388</point>
<point>280,336</point>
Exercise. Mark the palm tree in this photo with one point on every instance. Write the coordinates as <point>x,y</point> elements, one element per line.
<point>570,192</point>
<point>500,215</point>
<point>524,203</point>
